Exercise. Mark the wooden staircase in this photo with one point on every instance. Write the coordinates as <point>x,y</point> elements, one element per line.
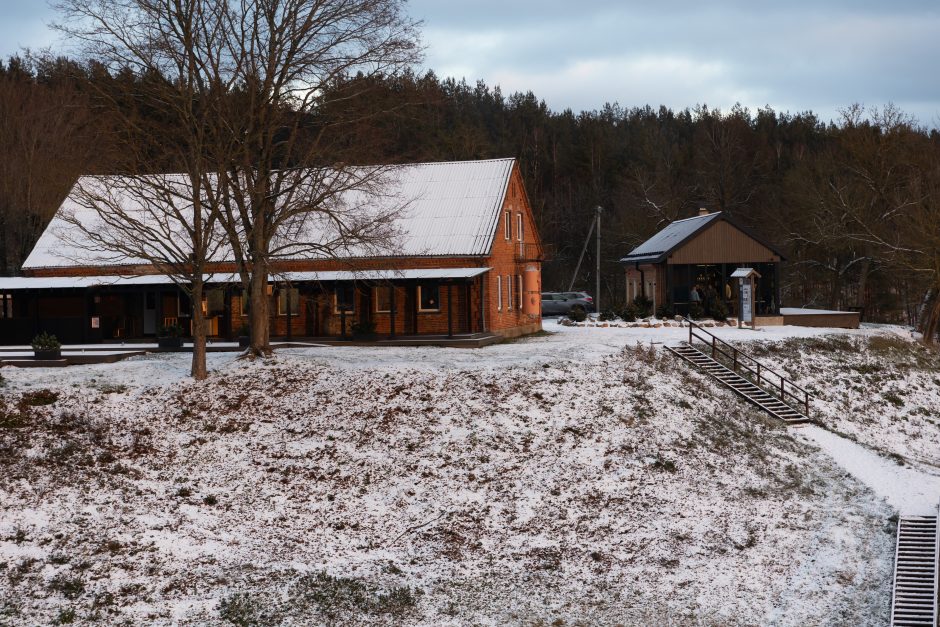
<point>914,601</point>
<point>747,377</point>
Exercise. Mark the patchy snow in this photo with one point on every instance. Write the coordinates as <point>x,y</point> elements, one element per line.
<point>578,476</point>
<point>910,491</point>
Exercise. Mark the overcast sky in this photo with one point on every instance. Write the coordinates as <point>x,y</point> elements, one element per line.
<point>793,56</point>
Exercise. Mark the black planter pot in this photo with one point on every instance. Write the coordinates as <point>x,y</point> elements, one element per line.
<point>244,341</point>
<point>47,354</point>
<point>170,342</point>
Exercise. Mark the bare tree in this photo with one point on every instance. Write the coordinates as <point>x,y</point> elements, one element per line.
<point>285,133</point>
<point>167,221</point>
<point>251,89</point>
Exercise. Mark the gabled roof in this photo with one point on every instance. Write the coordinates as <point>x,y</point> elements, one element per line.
<point>657,248</point>
<point>446,209</point>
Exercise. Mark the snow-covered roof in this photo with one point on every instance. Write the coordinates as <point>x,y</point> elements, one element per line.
<point>39,283</point>
<point>442,209</point>
<point>656,247</point>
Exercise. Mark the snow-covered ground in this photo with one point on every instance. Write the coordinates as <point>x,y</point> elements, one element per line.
<point>579,477</point>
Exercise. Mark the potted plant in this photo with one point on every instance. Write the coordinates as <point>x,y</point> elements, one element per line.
<point>363,330</point>
<point>171,336</point>
<point>46,346</point>
<point>244,335</point>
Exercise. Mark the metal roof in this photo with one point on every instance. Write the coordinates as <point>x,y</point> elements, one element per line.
<point>656,247</point>
<point>443,209</point>
<point>39,283</point>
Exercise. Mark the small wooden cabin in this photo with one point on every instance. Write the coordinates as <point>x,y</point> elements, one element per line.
<point>468,262</point>
<point>700,253</point>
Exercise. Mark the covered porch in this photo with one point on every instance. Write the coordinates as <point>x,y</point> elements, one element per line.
<point>717,290</point>
<point>379,304</point>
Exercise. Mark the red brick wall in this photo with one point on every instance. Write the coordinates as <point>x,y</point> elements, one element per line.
<point>503,260</point>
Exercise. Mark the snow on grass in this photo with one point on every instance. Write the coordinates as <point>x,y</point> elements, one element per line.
<point>910,491</point>
<point>557,478</point>
<point>881,389</point>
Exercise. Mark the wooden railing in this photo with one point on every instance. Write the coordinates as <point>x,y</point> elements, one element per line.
<point>765,377</point>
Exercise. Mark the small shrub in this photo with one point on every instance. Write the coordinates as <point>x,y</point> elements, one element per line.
<point>241,609</point>
<point>46,342</point>
<point>607,315</point>
<point>629,313</point>
<point>70,587</point>
<point>171,330</point>
<point>578,314</point>
<point>39,398</point>
<point>66,617</point>
<point>210,499</point>
<point>718,310</point>
<point>363,327</point>
<point>644,306</point>
<point>666,310</point>
<point>696,311</point>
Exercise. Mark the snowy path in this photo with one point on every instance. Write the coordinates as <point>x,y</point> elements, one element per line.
<point>910,491</point>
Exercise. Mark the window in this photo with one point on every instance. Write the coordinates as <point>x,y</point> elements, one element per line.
<point>508,292</point>
<point>213,303</point>
<point>507,226</point>
<point>344,299</point>
<point>382,296</point>
<point>6,305</point>
<point>285,295</point>
<point>499,293</point>
<point>429,297</point>
<point>519,280</point>
<point>519,226</point>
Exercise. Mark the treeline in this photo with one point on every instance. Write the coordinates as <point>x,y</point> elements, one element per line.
<point>854,203</point>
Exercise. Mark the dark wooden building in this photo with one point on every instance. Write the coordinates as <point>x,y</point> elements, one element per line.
<point>700,253</point>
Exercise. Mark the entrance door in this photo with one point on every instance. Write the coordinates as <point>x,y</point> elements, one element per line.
<point>150,313</point>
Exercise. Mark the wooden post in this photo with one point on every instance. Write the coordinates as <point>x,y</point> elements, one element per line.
<point>734,359</point>
<point>806,403</point>
<point>758,373</point>
<point>288,304</point>
<point>466,304</point>
<point>782,380</point>
<point>391,308</point>
<point>450,312</point>
<point>713,346</point>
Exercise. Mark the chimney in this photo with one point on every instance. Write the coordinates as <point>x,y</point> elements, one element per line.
<point>703,211</point>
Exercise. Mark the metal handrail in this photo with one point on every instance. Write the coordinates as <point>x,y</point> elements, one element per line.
<point>760,369</point>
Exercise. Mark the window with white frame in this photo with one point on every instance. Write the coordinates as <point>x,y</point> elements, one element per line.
<point>429,297</point>
<point>519,233</point>
<point>519,282</point>
<point>507,226</point>
<point>509,300</point>
<point>285,296</point>
<point>382,297</point>
<point>344,299</point>
<point>499,292</point>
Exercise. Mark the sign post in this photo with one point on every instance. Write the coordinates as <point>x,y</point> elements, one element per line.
<point>745,277</point>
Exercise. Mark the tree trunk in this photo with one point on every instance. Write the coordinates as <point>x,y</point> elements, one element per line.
<point>258,311</point>
<point>930,318</point>
<point>198,370</point>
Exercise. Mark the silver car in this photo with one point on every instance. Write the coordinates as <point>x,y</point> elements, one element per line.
<point>561,303</point>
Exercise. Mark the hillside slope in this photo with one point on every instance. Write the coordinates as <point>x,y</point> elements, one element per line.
<point>620,490</point>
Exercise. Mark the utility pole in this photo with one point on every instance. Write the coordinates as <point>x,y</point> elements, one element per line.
<point>597,295</point>
<point>595,223</point>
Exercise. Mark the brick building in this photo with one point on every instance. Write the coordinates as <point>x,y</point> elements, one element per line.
<point>468,262</point>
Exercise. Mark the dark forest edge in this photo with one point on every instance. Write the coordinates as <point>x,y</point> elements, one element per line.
<point>854,203</point>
